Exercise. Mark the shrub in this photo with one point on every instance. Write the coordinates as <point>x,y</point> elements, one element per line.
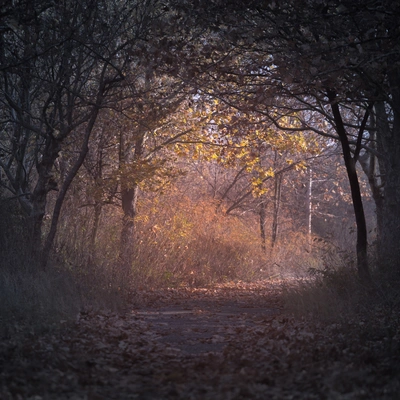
<point>193,244</point>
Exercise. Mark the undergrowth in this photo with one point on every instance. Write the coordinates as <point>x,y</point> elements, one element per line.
<point>31,300</point>
<point>179,242</point>
<point>184,242</point>
<point>337,297</point>
<point>36,302</point>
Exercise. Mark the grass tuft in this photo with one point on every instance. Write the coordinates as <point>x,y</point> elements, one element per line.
<point>34,302</point>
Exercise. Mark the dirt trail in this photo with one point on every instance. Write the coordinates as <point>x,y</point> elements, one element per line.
<point>206,324</point>
<point>229,342</point>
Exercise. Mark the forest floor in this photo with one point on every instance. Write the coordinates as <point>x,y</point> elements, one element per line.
<point>226,342</point>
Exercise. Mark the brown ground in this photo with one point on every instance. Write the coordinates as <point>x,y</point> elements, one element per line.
<point>230,342</point>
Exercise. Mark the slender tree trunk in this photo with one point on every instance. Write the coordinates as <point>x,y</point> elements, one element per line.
<point>262,214</point>
<point>389,242</point>
<point>374,170</point>
<point>64,189</point>
<point>350,163</point>
<point>277,204</point>
<point>382,128</point>
<point>129,207</point>
<point>129,203</point>
<point>95,227</point>
<point>39,196</point>
<point>309,209</point>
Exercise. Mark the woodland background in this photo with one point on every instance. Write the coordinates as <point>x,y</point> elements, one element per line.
<point>148,144</point>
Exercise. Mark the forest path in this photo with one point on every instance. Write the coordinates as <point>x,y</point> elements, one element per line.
<point>207,320</point>
<point>221,343</point>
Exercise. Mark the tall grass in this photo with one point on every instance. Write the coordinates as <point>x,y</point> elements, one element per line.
<point>336,295</point>
<point>329,295</point>
<point>195,245</point>
<point>34,302</point>
<point>180,240</point>
<point>31,300</point>
<point>182,243</point>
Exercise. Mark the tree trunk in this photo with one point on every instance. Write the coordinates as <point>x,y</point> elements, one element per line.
<point>129,207</point>
<point>277,203</point>
<point>39,196</point>
<point>129,202</point>
<point>373,166</point>
<point>64,189</point>
<point>262,214</point>
<point>309,209</point>
<point>95,227</point>
<point>350,163</point>
<point>389,242</point>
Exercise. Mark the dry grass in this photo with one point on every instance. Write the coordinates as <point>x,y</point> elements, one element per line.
<point>325,295</point>
<point>190,243</point>
<point>30,300</point>
<point>337,296</point>
<point>35,302</point>
<point>179,242</point>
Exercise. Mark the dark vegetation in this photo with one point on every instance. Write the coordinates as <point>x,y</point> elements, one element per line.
<point>202,155</point>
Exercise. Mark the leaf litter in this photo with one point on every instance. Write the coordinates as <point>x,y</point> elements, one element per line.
<point>232,341</point>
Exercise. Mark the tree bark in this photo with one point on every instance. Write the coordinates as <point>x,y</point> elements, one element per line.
<point>350,163</point>
<point>39,196</point>
<point>129,202</point>
<point>277,204</point>
<point>129,207</point>
<point>262,214</point>
<point>389,241</point>
<point>68,180</point>
<point>373,165</point>
<point>309,209</point>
